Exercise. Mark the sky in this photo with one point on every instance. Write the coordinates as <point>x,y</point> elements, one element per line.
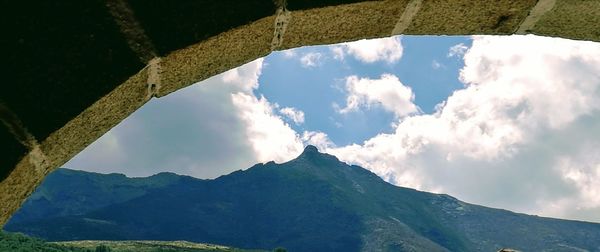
<point>510,122</point>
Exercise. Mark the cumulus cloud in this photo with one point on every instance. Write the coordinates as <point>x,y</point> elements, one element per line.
<point>221,126</point>
<point>244,78</point>
<point>582,170</point>
<point>318,139</point>
<point>370,50</point>
<point>386,91</point>
<point>271,138</point>
<point>520,132</point>
<point>297,116</point>
<point>311,59</point>
<point>207,140</point>
<point>457,50</point>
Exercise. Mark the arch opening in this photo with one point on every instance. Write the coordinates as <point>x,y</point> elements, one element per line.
<point>99,110</point>
<point>491,130</point>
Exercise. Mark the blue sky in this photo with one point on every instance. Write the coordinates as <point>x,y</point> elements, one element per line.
<point>504,121</point>
<point>287,82</point>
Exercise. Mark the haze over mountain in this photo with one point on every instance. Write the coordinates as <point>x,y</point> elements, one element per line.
<point>311,203</point>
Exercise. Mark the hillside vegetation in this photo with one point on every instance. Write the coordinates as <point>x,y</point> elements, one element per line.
<point>151,246</point>
<point>16,242</point>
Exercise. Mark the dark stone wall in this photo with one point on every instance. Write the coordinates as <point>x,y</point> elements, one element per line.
<point>60,57</point>
<point>12,152</point>
<point>174,26</point>
<point>310,4</point>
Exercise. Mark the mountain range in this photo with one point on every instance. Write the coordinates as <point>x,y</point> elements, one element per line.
<point>312,203</point>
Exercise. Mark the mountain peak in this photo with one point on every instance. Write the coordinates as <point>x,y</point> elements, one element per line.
<point>310,149</point>
<point>313,154</point>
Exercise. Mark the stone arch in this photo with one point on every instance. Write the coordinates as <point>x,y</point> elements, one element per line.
<point>147,60</point>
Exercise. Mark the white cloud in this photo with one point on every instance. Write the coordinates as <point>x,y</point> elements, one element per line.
<point>386,91</point>
<point>373,50</point>
<point>338,52</point>
<point>243,78</point>
<point>457,50</point>
<point>436,65</point>
<point>270,137</point>
<point>289,53</point>
<point>297,116</point>
<point>562,69</point>
<point>582,170</point>
<point>206,130</point>
<point>192,131</point>
<point>370,50</point>
<point>513,136</point>
<point>312,59</point>
<point>318,139</point>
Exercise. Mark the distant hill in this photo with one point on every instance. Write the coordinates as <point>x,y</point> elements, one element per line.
<point>311,203</point>
<point>149,246</point>
<point>68,192</point>
<point>15,242</point>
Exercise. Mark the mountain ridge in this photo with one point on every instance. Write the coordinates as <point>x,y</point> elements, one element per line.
<point>311,203</point>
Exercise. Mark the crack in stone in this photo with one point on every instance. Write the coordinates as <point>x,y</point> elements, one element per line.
<point>15,126</point>
<point>281,22</point>
<point>135,35</point>
<point>411,10</point>
<point>36,157</point>
<point>540,8</point>
<point>154,71</point>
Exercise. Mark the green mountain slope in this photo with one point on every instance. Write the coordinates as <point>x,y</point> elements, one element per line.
<point>86,191</point>
<point>311,203</point>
